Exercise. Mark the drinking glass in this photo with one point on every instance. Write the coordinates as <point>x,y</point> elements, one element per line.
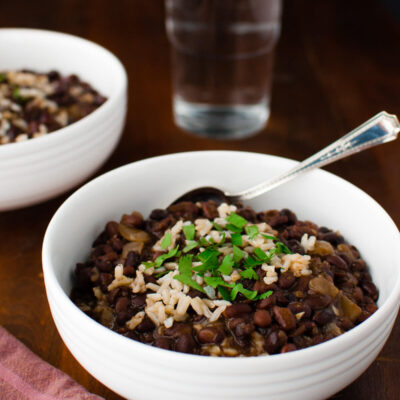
<point>222,59</point>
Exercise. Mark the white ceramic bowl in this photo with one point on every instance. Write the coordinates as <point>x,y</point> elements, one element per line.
<point>138,371</point>
<point>41,168</point>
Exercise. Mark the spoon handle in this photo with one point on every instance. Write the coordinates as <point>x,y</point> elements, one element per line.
<point>381,128</point>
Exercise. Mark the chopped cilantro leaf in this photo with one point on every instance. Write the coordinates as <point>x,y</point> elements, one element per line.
<point>236,239</point>
<point>208,254</point>
<point>148,264</point>
<point>226,265</point>
<point>236,220</point>
<point>187,280</point>
<point>189,231</point>
<point>166,241</point>
<point>160,274</point>
<point>235,290</point>
<point>215,281</point>
<point>224,293</point>
<point>251,262</point>
<point>237,254</point>
<point>233,228</point>
<point>252,231</point>
<point>249,273</point>
<point>282,248</point>
<point>16,94</point>
<point>172,253</point>
<point>264,295</point>
<point>2,77</point>
<point>190,246</point>
<point>269,237</point>
<point>204,242</point>
<point>260,254</point>
<point>217,227</point>
<point>185,265</point>
<point>249,294</point>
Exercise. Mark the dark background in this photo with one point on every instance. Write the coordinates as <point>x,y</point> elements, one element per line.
<point>337,64</point>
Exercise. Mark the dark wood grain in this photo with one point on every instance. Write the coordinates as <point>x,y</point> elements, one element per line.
<point>337,64</point>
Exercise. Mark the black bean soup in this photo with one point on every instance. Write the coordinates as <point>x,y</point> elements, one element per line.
<point>224,280</point>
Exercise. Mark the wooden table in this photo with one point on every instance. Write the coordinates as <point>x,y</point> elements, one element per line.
<point>337,64</point>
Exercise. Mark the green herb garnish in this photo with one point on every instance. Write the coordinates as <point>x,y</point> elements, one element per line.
<point>236,239</point>
<point>249,294</point>
<point>237,254</point>
<point>160,259</point>
<point>189,231</point>
<point>215,281</point>
<point>16,94</point>
<point>249,273</point>
<point>166,241</point>
<point>282,248</point>
<point>185,265</point>
<point>269,236</point>
<point>217,227</point>
<point>224,293</point>
<point>261,255</point>
<point>236,220</point>
<point>251,262</point>
<point>264,295</point>
<point>226,265</point>
<point>252,231</point>
<point>190,246</point>
<point>2,77</point>
<point>187,280</point>
<point>233,228</point>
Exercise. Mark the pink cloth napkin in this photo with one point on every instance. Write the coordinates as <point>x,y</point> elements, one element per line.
<point>24,376</point>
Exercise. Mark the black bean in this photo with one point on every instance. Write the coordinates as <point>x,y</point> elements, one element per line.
<point>112,229</point>
<point>210,210</point>
<point>295,246</point>
<point>318,301</point>
<point>292,219</point>
<point>105,279</point>
<point>323,317</point>
<point>337,261</point>
<point>331,237</point>
<point>121,304</point>
<point>286,280</point>
<point>210,335</point>
<point>271,343</point>
<point>278,221</point>
<point>123,316</point>
<point>288,347</point>
<point>134,220</point>
<point>146,325</point>
<point>359,265</point>
<point>162,343</point>
<point>237,309</point>
<point>370,289</point>
<point>132,259</point>
<point>129,271</point>
<point>244,329</point>
<point>284,317</point>
<point>267,302</point>
<point>139,301</point>
<point>298,307</point>
<point>185,343</point>
<point>262,318</point>
<point>158,214</point>
<point>281,298</point>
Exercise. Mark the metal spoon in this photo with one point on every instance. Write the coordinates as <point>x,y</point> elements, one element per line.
<point>381,128</point>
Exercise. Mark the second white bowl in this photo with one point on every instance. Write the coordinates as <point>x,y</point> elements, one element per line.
<point>42,168</point>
